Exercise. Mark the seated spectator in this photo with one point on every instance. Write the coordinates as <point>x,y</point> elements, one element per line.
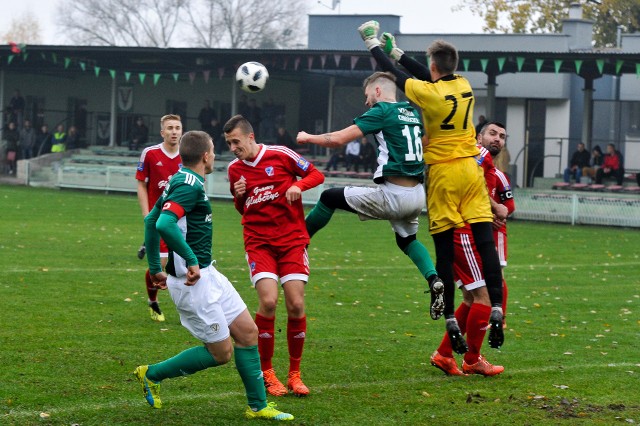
<point>59,142</point>
<point>368,155</point>
<point>284,138</point>
<point>596,163</point>
<point>579,160</point>
<point>612,166</point>
<point>337,155</point>
<point>352,155</point>
<point>139,135</point>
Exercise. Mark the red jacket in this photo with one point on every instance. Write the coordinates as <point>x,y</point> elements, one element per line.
<point>611,161</point>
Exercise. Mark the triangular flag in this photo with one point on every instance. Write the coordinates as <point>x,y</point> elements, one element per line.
<point>286,63</point>
<point>501,61</point>
<point>336,59</point>
<point>374,63</point>
<point>465,64</point>
<point>520,62</point>
<point>141,77</point>
<point>309,61</point>
<point>600,64</point>
<point>156,77</point>
<point>192,77</point>
<point>637,70</point>
<point>205,74</point>
<point>578,63</point>
<point>323,59</point>
<point>539,63</point>
<point>54,58</point>
<point>354,61</point>
<point>127,76</point>
<point>484,63</point>
<point>25,56</point>
<point>96,70</point>
<point>557,63</point>
<point>67,61</point>
<point>83,65</point>
<point>220,73</point>
<point>10,58</point>
<point>619,63</point>
<point>296,64</point>
<point>176,76</point>
<point>112,73</point>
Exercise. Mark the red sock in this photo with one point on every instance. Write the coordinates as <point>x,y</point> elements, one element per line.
<point>461,315</point>
<point>296,333</point>
<point>505,294</point>
<point>266,340</point>
<point>152,291</point>
<point>477,324</point>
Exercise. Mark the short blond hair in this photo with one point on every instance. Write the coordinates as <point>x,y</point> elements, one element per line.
<point>169,117</point>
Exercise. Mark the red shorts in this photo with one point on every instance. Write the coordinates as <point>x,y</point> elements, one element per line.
<point>285,263</point>
<point>164,250</point>
<point>501,246</point>
<point>467,265</point>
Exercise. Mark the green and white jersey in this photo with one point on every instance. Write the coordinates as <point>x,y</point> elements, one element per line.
<point>398,131</point>
<point>186,198</point>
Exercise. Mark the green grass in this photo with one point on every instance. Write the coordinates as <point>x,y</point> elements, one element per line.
<point>74,324</point>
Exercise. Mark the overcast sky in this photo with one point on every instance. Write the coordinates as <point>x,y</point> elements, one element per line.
<point>418,16</point>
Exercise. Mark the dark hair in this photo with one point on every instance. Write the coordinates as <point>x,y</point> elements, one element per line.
<point>238,121</point>
<point>193,145</point>
<point>495,123</point>
<point>444,55</point>
<point>597,148</point>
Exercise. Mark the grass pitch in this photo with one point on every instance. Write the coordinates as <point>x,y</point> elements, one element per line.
<point>74,325</point>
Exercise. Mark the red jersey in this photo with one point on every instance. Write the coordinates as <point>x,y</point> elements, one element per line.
<point>156,166</point>
<point>503,194</point>
<point>266,215</point>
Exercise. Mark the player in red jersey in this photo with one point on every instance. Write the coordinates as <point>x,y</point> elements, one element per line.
<point>267,192</point>
<point>156,166</point>
<point>473,314</point>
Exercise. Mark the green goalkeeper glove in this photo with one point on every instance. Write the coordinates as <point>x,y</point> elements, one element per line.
<point>388,44</point>
<point>369,33</point>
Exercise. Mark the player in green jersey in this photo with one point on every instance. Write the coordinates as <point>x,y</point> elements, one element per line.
<point>399,196</point>
<point>209,306</point>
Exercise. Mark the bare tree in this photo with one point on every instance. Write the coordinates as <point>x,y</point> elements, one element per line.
<point>121,22</point>
<point>248,24</point>
<point>23,29</point>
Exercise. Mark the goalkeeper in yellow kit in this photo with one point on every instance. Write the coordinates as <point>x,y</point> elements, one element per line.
<point>456,189</point>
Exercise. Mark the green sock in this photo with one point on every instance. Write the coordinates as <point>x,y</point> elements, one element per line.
<point>318,217</point>
<point>419,255</point>
<point>248,365</point>
<point>186,362</point>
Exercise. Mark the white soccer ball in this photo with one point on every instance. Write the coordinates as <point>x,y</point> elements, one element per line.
<point>252,76</point>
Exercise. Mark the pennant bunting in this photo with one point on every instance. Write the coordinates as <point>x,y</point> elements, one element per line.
<point>83,65</point>
<point>176,76</point>
<point>156,77</point>
<point>520,62</point>
<point>309,62</point>
<point>96,70</point>
<point>205,74</point>
<point>192,77</point>
<point>323,60</point>
<point>112,73</point>
<point>127,76</point>
<point>142,76</point>
<point>465,64</point>
<point>578,63</point>
<point>501,62</point>
<point>296,64</point>
<point>557,63</point>
<point>483,63</point>
<point>600,65</point>
<point>336,59</point>
<point>220,73</point>
<point>67,61</point>
<point>539,63</point>
<point>619,64</point>
<point>354,61</point>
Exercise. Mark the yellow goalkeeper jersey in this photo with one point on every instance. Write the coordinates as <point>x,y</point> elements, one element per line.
<point>447,112</point>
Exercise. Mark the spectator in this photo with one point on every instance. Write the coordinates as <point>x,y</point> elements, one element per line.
<point>16,107</point>
<point>579,160</point>
<point>27,140</point>
<point>206,115</point>
<point>353,155</point>
<point>284,138</point>
<point>482,120</point>
<point>215,131</point>
<point>268,126</point>
<point>612,166</point>
<point>337,155</point>
<point>139,135</point>
<point>43,141</point>
<point>12,138</point>
<point>59,142</point>
<point>243,106</point>
<point>596,163</point>
<point>254,115</point>
<point>73,138</point>
<point>368,155</point>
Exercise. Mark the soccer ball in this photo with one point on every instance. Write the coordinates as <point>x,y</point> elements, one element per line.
<point>252,76</point>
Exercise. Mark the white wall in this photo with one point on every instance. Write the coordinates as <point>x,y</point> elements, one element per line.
<point>556,136</point>
<point>516,120</point>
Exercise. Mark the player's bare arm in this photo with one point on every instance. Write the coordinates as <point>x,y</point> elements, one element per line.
<point>293,194</point>
<point>240,187</point>
<point>193,275</point>
<point>333,139</point>
<point>143,198</point>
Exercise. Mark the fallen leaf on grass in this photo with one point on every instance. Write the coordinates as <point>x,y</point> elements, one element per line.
<point>561,386</point>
